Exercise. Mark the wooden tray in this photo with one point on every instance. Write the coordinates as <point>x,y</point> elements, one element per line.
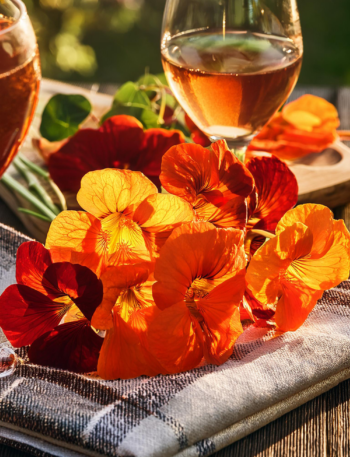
<point>323,178</point>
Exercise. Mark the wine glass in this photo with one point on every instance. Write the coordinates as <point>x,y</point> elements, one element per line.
<point>231,63</point>
<point>19,78</point>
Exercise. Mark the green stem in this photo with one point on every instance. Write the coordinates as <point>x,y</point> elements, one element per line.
<point>35,168</point>
<point>264,233</point>
<point>253,234</point>
<point>46,175</point>
<point>25,193</point>
<point>59,194</point>
<point>35,186</point>
<point>162,108</point>
<point>33,213</point>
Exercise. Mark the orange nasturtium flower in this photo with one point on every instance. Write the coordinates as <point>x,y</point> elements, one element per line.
<point>304,126</point>
<point>214,181</point>
<point>310,254</point>
<point>200,283</point>
<point>127,221</point>
<point>124,313</point>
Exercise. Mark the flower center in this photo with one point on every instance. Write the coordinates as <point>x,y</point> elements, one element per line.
<point>66,301</point>
<point>297,269</point>
<point>123,232</point>
<point>199,288</point>
<point>130,300</point>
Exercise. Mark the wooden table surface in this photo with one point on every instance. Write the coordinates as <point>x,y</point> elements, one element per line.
<point>321,427</point>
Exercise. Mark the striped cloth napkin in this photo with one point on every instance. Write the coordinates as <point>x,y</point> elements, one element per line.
<point>53,412</point>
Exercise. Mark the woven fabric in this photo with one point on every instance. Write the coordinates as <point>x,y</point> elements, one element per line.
<point>191,414</point>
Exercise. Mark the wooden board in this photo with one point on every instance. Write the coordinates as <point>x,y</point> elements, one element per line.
<point>323,178</point>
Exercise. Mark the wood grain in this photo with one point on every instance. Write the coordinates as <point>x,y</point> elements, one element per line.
<point>319,428</point>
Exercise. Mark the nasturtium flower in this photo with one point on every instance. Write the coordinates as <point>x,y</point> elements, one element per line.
<point>304,126</point>
<point>214,181</point>
<point>120,142</point>
<point>275,192</point>
<point>50,308</point>
<point>310,254</point>
<point>124,313</point>
<point>127,221</point>
<point>200,284</point>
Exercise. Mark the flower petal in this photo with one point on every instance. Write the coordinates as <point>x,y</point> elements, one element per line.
<point>188,170</point>
<point>162,213</point>
<point>294,306</point>
<point>173,339</point>
<point>303,112</point>
<point>32,262</point>
<point>318,218</point>
<point>323,273</point>
<point>221,313</point>
<point>78,283</point>
<point>26,314</point>
<point>234,177</point>
<point>159,214</point>
<point>156,143</point>
<point>123,355</point>
<point>232,214</point>
<point>277,190</point>
<point>77,237</point>
<point>109,191</point>
<point>272,260</point>
<point>116,143</point>
<point>73,346</point>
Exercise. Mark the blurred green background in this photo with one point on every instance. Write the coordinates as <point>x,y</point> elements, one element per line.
<point>115,40</point>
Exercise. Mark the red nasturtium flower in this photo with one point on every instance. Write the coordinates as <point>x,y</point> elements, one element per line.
<point>50,308</point>
<point>127,221</point>
<point>304,126</point>
<point>214,181</point>
<point>310,254</point>
<point>120,142</point>
<point>124,313</point>
<point>275,192</point>
<point>200,283</point>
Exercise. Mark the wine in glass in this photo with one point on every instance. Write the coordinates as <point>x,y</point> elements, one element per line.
<point>231,63</point>
<point>19,78</point>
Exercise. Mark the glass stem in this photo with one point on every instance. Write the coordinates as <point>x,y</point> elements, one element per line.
<point>239,147</point>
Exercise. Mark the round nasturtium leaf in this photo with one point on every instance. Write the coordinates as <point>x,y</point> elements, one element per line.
<point>62,116</point>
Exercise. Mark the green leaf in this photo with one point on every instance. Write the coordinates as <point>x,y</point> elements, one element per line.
<point>149,119</point>
<point>133,101</point>
<point>62,116</point>
<point>131,95</point>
